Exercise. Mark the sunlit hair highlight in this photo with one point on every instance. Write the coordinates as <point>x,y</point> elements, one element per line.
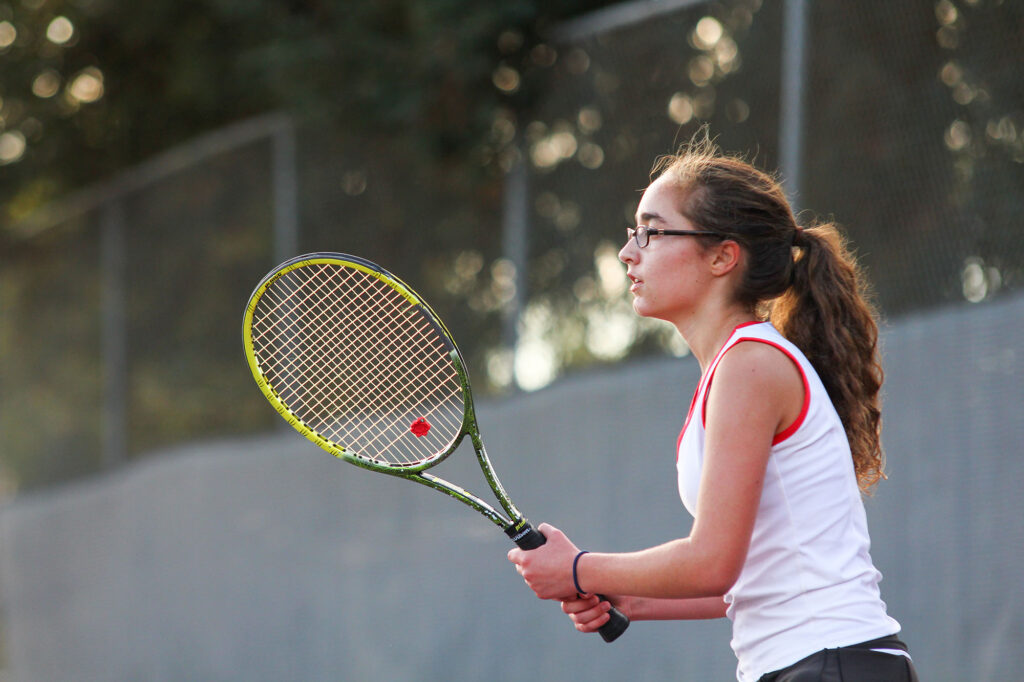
<point>805,280</point>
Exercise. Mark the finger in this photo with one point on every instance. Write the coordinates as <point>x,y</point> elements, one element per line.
<point>592,619</point>
<point>594,625</point>
<point>579,604</point>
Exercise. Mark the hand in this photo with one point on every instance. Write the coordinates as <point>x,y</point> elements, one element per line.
<point>588,613</point>
<point>547,569</point>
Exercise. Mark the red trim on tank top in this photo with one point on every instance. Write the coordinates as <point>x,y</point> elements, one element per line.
<point>696,392</point>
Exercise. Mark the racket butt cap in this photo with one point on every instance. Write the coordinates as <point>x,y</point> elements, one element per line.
<point>616,625</point>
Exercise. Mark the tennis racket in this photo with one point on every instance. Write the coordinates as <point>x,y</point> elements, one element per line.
<point>359,364</point>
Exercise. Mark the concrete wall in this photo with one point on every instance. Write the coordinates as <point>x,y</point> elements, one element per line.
<point>266,559</point>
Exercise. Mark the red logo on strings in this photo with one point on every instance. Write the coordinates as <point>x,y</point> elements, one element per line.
<point>420,427</point>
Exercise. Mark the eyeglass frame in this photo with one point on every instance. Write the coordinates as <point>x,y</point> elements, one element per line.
<point>634,234</point>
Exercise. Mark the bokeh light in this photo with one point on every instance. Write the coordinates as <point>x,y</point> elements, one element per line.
<point>87,85</point>
<point>60,31</point>
<point>46,84</point>
<point>12,147</point>
<point>8,34</point>
<point>506,79</point>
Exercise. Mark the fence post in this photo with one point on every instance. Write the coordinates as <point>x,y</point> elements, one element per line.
<point>113,334</point>
<point>286,222</point>
<point>791,106</point>
<point>515,244</point>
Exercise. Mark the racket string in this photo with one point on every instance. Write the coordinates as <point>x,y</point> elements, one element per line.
<point>303,333</point>
<point>311,346</point>
<point>326,409</point>
<point>377,350</point>
<point>402,375</point>
<point>316,343</point>
<point>329,344</point>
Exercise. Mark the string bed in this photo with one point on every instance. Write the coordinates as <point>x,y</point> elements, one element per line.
<point>359,364</point>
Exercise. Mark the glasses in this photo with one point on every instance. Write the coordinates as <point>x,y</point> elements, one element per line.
<point>642,234</point>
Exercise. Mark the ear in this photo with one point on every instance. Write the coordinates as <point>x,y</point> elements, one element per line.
<point>725,257</point>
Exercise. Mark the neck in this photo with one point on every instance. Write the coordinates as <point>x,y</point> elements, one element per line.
<point>706,334</point>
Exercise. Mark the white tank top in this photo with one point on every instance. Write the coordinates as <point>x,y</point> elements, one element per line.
<point>808,582</point>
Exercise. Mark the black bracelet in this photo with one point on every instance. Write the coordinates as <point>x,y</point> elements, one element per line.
<point>575,578</point>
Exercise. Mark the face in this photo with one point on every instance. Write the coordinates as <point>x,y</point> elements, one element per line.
<point>669,275</point>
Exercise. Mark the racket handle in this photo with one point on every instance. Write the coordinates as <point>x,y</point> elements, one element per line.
<point>527,537</point>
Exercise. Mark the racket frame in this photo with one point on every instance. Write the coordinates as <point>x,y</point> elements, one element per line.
<point>514,523</point>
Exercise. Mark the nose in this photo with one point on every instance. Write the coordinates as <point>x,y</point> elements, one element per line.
<point>628,252</point>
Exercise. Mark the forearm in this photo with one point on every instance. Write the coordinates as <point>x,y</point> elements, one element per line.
<point>674,570</point>
<point>589,614</point>
<point>702,608</point>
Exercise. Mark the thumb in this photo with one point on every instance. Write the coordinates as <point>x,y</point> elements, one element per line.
<point>547,530</point>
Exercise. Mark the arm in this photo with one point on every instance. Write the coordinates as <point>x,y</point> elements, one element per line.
<point>756,393</point>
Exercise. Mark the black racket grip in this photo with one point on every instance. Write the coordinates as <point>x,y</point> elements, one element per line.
<point>527,537</point>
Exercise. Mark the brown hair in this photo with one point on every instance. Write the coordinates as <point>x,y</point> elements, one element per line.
<point>806,281</point>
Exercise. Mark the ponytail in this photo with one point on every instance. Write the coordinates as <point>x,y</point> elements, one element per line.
<point>826,313</point>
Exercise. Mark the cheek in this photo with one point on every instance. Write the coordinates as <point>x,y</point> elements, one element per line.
<point>666,280</point>
<point>669,289</point>
<point>659,290</point>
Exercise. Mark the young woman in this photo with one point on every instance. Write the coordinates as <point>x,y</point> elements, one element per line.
<point>781,438</point>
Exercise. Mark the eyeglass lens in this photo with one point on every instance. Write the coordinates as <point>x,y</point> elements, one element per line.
<point>640,234</point>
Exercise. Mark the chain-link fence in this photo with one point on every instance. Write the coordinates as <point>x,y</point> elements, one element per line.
<point>903,122</point>
<point>118,306</point>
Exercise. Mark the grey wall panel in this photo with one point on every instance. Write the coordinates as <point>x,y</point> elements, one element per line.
<point>266,559</point>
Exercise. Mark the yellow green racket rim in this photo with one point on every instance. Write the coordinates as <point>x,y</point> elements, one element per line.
<point>269,392</point>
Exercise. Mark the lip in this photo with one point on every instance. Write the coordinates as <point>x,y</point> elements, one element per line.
<point>635,282</point>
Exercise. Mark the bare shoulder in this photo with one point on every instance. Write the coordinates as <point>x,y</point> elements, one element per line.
<point>758,361</point>
<point>753,374</point>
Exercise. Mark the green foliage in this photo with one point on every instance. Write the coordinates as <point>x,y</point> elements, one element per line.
<point>173,68</point>
<point>411,113</point>
<point>396,103</point>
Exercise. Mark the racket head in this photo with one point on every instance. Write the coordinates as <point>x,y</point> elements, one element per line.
<point>357,362</point>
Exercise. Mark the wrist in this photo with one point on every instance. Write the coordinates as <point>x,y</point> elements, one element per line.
<point>575,573</point>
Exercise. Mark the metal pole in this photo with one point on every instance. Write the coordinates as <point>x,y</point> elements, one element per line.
<point>791,106</point>
<point>286,201</point>
<point>617,16</point>
<point>148,173</point>
<point>515,244</point>
<point>114,345</point>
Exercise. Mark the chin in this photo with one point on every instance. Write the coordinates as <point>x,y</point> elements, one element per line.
<point>653,313</point>
<point>643,310</point>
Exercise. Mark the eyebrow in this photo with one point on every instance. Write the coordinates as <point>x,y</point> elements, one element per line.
<point>646,218</point>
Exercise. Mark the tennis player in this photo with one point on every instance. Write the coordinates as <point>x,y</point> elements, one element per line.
<point>781,439</point>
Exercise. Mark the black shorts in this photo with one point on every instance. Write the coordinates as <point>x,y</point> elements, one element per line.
<point>854,663</point>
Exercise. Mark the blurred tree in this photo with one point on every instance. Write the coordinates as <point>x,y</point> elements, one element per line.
<point>91,86</point>
<point>917,146</point>
<point>414,111</point>
<point>400,99</point>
